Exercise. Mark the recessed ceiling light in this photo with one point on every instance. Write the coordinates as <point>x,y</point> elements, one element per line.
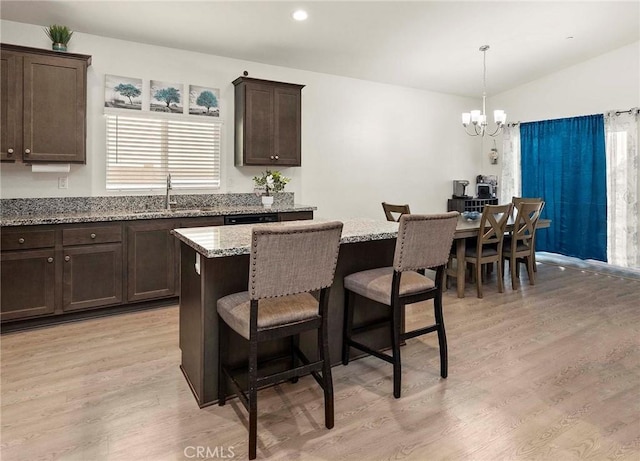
<point>300,15</point>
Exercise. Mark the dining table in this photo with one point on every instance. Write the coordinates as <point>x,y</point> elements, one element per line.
<point>469,229</point>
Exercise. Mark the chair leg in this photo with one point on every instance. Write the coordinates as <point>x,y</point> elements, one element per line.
<point>396,319</point>
<point>442,337</point>
<point>479,279</point>
<point>530,270</point>
<point>347,326</point>
<point>513,267</point>
<point>253,398</point>
<point>327,380</point>
<point>500,270</point>
<point>223,347</point>
<point>295,343</point>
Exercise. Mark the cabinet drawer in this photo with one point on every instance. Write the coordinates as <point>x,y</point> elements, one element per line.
<point>90,235</point>
<point>27,239</point>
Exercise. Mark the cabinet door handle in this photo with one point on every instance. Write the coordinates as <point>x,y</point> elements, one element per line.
<point>20,240</point>
<point>277,157</point>
<point>9,152</point>
<point>271,157</point>
<point>27,151</point>
<point>67,258</point>
<point>93,236</point>
<point>49,259</point>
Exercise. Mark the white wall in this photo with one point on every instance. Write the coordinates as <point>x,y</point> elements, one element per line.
<point>362,142</point>
<point>610,81</point>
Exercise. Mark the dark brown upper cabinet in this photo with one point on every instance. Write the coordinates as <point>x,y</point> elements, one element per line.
<point>268,120</point>
<point>43,95</point>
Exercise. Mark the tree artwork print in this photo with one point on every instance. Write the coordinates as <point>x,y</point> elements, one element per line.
<point>166,97</point>
<point>204,101</point>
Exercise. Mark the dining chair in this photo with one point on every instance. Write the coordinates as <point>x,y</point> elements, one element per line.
<point>518,200</point>
<point>423,243</point>
<point>486,248</point>
<point>519,245</point>
<point>389,209</point>
<point>288,265</point>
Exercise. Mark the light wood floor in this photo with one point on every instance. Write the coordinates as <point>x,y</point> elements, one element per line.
<point>549,372</point>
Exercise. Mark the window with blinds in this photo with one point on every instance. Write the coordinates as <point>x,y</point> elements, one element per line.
<point>143,149</point>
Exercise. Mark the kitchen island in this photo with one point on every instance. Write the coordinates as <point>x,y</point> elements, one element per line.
<point>214,262</point>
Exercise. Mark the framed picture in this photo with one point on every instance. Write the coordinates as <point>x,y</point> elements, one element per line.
<point>122,92</point>
<point>204,101</point>
<point>166,97</point>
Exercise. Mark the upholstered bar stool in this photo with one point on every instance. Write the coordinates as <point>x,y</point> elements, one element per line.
<point>423,243</point>
<point>287,265</point>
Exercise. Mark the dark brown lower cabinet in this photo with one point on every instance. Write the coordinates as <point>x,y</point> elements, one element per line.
<point>28,283</point>
<point>151,260</point>
<point>92,276</point>
<point>50,270</point>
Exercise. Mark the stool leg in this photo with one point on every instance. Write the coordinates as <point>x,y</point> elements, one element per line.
<point>223,347</point>
<point>442,337</point>
<point>396,320</point>
<point>327,380</point>
<point>295,343</point>
<point>347,326</point>
<point>253,397</point>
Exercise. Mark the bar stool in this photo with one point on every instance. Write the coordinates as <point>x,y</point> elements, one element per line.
<point>423,243</point>
<point>287,265</point>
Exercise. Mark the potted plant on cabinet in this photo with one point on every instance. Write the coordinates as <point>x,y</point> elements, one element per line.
<point>270,182</point>
<point>59,36</point>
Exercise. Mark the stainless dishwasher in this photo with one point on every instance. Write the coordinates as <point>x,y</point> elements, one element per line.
<point>251,218</point>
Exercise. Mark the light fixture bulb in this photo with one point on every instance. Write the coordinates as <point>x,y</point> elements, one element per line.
<point>300,15</point>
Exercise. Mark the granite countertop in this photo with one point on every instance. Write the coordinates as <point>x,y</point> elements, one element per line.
<point>32,219</point>
<point>220,241</point>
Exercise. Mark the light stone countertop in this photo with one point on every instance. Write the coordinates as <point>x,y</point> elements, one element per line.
<point>132,215</point>
<point>221,241</point>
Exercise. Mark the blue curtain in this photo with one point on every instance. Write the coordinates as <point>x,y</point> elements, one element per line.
<point>564,162</point>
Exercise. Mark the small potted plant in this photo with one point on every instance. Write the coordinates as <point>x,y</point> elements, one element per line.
<point>59,36</point>
<point>270,182</point>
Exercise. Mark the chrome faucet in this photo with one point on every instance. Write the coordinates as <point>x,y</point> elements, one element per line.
<point>167,200</point>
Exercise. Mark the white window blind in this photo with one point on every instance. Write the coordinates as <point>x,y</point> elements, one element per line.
<point>143,149</point>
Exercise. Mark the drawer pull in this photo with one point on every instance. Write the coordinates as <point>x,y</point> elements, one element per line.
<point>93,236</point>
<point>20,240</point>
<point>49,259</point>
<point>27,151</point>
<point>9,152</point>
<point>67,258</point>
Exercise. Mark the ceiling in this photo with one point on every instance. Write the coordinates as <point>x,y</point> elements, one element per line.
<point>421,44</point>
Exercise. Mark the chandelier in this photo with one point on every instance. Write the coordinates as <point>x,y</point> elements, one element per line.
<point>478,119</point>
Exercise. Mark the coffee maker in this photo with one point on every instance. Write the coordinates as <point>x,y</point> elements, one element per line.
<point>459,188</point>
